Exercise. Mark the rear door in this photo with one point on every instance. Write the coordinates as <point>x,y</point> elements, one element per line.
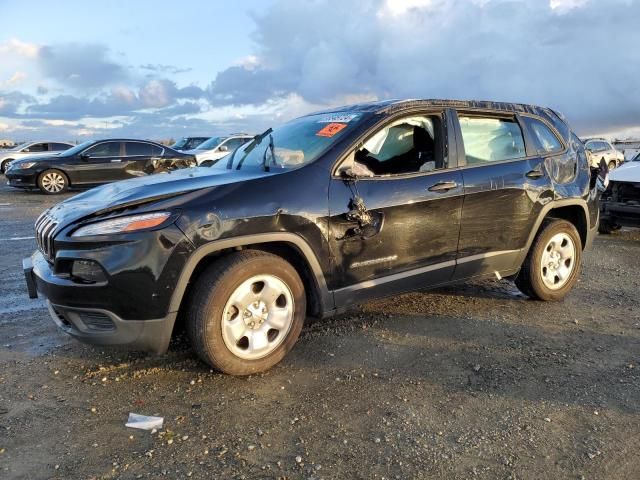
<point>505,182</point>
<point>138,159</point>
<point>100,163</point>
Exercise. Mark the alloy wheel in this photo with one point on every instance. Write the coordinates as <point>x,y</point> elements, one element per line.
<point>53,182</point>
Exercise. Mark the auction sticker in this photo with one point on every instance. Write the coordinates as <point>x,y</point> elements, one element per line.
<point>331,129</point>
<point>338,117</point>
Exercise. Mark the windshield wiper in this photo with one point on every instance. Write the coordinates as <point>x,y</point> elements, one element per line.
<point>273,154</point>
<point>248,149</point>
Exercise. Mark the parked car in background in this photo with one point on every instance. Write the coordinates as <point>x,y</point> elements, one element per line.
<point>31,149</point>
<point>188,143</point>
<point>598,149</point>
<point>95,162</point>
<point>620,203</point>
<point>325,211</point>
<point>218,147</point>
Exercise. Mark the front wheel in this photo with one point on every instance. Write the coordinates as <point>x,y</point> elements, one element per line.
<point>612,165</point>
<point>552,266</point>
<point>246,312</point>
<point>4,166</point>
<point>52,182</point>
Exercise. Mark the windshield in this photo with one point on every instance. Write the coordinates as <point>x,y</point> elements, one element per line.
<point>212,143</point>
<point>296,143</point>
<point>188,143</point>
<point>77,149</point>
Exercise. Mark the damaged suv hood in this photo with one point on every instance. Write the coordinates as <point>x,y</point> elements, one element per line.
<point>146,189</point>
<point>629,172</point>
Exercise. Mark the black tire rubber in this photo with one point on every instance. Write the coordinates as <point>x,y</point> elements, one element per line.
<point>209,296</point>
<point>529,280</point>
<point>605,227</point>
<point>5,164</point>
<point>66,181</point>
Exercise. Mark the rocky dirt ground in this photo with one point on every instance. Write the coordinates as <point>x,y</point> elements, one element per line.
<point>469,382</point>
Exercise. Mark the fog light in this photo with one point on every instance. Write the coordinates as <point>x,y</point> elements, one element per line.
<point>87,271</point>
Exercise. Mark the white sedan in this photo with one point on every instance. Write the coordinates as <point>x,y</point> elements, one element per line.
<point>218,147</point>
<point>31,149</point>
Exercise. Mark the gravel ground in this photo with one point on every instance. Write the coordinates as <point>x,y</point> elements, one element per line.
<point>474,381</point>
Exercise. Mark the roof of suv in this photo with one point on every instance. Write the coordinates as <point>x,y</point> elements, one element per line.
<point>389,106</point>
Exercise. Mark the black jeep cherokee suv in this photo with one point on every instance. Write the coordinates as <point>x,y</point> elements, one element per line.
<point>328,210</point>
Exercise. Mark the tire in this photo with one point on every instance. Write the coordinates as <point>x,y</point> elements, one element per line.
<point>232,338</point>
<point>557,243</point>
<point>53,182</point>
<point>605,227</point>
<point>612,165</point>
<point>5,165</point>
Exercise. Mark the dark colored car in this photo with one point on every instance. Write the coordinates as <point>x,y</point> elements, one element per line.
<point>328,210</point>
<point>94,163</point>
<point>620,203</point>
<point>188,143</point>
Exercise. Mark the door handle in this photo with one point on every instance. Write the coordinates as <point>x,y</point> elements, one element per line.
<point>442,186</point>
<point>535,173</point>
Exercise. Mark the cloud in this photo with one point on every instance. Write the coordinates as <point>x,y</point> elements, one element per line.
<point>576,56</point>
<point>165,69</point>
<point>79,65</point>
<point>11,102</point>
<point>19,48</point>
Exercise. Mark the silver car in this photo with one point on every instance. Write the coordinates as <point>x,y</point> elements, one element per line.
<point>599,148</point>
<point>31,149</point>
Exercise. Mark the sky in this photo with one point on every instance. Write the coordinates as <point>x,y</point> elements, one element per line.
<point>77,70</point>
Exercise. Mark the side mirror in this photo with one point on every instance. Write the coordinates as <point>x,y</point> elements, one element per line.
<point>85,156</point>
<point>223,148</point>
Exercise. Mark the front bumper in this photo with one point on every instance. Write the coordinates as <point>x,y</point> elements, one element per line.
<point>625,214</point>
<point>130,305</point>
<point>97,326</point>
<point>21,179</point>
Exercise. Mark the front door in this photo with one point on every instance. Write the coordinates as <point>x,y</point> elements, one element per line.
<point>395,206</point>
<point>100,163</point>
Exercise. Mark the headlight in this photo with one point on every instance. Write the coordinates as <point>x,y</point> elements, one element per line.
<point>25,165</point>
<point>131,223</point>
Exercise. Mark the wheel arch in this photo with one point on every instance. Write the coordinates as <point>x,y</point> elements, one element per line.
<point>289,246</point>
<point>574,211</point>
<point>4,162</point>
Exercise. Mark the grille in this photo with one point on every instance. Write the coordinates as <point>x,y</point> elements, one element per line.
<point>97,321</point>
<point>45,226</point>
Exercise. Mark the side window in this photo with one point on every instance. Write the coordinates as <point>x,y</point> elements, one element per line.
<point>491,139</point>
<point>156,151</point>
<point>409,145</point>
<point>137,149</point>
<point>545,140</point>
<point>37,147</point>
<point>234,143</point>
<point>59,147</point>
<point>106,149</point>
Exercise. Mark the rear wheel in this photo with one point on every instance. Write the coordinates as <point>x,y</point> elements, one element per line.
<point>552,266</point>
<point>53,182</point>
<point>246,312</point>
